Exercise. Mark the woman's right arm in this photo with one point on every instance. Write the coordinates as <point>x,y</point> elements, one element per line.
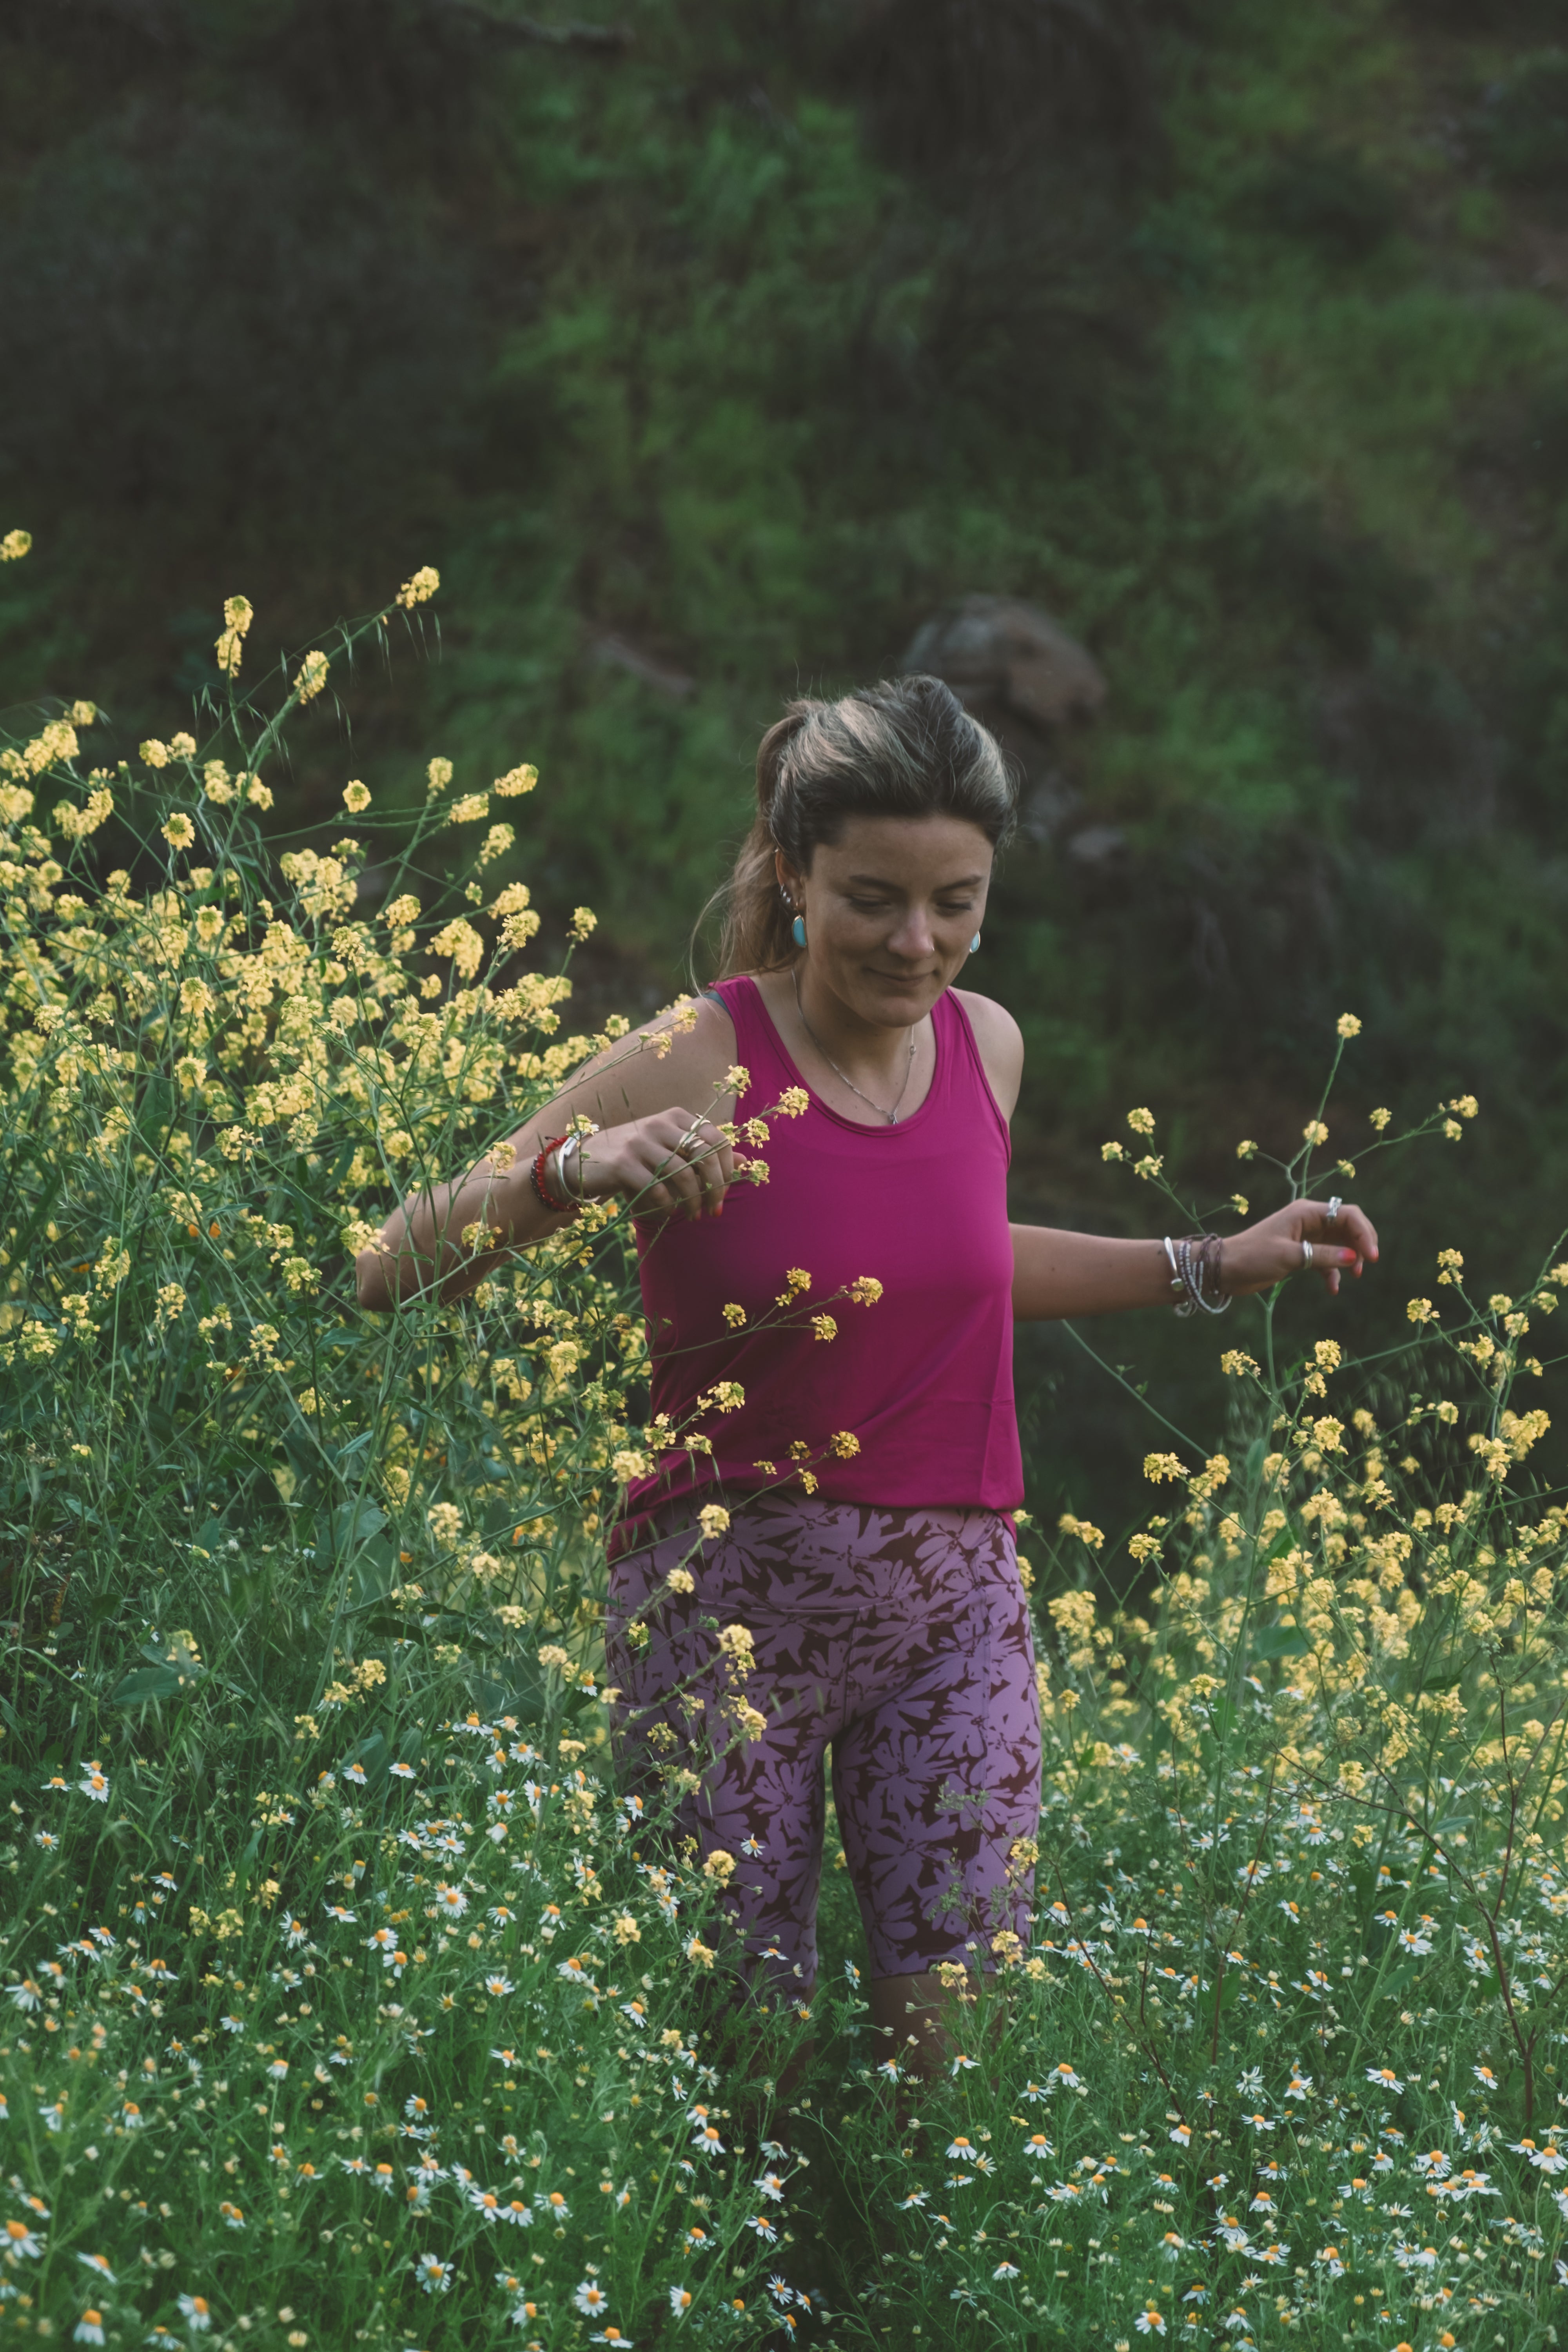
<point>658,1144</point>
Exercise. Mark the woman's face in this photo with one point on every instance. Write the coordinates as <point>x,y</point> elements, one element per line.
<point>891,909</point>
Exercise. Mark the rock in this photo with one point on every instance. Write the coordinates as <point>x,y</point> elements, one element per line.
<point>1097,845</point>
<point>998,650</point>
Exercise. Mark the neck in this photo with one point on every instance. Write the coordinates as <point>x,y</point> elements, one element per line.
<point>870,1050</point>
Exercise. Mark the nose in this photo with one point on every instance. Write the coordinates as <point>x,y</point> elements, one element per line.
<point>913,938</point>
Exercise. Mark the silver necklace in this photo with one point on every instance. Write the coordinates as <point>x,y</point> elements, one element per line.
<point>890,1116</point>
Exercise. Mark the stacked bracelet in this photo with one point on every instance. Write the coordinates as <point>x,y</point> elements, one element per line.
<point>541,1182</point>
<point>1195,1264</point>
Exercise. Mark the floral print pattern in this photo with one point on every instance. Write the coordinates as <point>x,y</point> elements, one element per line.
<point>902,1639</point>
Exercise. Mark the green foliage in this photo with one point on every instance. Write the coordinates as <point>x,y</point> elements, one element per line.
<point>276,1573</point>
<point>1526,125</point>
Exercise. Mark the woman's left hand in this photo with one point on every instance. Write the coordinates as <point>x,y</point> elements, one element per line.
<point>1271,1250</point>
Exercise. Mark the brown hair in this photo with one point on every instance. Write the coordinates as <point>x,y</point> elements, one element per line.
<point>906,748</point>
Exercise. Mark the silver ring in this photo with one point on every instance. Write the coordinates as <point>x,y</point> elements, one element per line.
<point>1306,1252</point>
<point>1332,1211</point>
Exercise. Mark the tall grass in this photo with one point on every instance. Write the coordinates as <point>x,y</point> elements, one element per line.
<point>342,1979</point>
<point>353,2002</point>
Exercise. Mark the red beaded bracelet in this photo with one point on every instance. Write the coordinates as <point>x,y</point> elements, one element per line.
<point>556,1207</point>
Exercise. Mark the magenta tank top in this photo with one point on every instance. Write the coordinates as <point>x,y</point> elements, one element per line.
<point>923,1380</point>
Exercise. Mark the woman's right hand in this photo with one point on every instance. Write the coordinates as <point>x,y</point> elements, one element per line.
<point>675,1162</point>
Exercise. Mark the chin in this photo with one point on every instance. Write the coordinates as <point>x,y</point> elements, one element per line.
<point>914,997</point>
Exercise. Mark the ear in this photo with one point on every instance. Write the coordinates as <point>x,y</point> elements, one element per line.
<point>788,880</point>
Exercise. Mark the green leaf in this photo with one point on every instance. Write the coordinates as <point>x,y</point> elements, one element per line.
<point>1396,1981</point>
<point>145,1684</point>
<point>1280,1642</point>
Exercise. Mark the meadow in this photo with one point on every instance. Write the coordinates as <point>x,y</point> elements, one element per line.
<point>350,2000</point>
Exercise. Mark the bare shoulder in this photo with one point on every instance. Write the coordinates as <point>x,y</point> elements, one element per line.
<point>1001,1044</point>
<point>678,1060</point>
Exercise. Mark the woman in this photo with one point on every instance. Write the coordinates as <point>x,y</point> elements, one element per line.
<point>858,1502</point>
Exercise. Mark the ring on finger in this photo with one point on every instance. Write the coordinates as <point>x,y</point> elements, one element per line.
<point>1332,1212</point>
<point>1306,1252</point>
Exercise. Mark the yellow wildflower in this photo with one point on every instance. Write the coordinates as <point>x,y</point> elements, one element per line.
<point>311,676</point>
<point>236,619</point>
<point>420,588</point>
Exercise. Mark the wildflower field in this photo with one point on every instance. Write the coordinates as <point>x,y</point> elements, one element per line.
<point>346,2001</point>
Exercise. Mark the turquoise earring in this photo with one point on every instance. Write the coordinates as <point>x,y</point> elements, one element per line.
<point>797,931</point>
<point>973,943</point>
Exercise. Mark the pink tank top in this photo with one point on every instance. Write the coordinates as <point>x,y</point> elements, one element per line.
<point>923,1379</point>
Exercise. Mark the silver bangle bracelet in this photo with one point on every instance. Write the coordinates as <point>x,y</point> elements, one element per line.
<point>1190,1260</point>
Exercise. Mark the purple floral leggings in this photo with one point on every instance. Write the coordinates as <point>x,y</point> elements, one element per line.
<point>901,1638</point>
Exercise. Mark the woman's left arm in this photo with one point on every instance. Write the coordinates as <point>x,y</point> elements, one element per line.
<point>1057,1274</point>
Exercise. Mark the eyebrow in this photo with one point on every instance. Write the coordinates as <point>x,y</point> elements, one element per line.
<point>881,882</point>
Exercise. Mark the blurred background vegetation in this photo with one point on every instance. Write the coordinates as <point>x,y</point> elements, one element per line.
<point>709,350</point>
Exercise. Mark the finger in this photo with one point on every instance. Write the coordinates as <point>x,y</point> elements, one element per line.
<point>658,1178</point>
<point>1329,1259</point>
<point>1361,1233</point>
<point>1352,1227</point>
<point>657,1196</point>
<point>681,1178</point>
<point>715,1166</point>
